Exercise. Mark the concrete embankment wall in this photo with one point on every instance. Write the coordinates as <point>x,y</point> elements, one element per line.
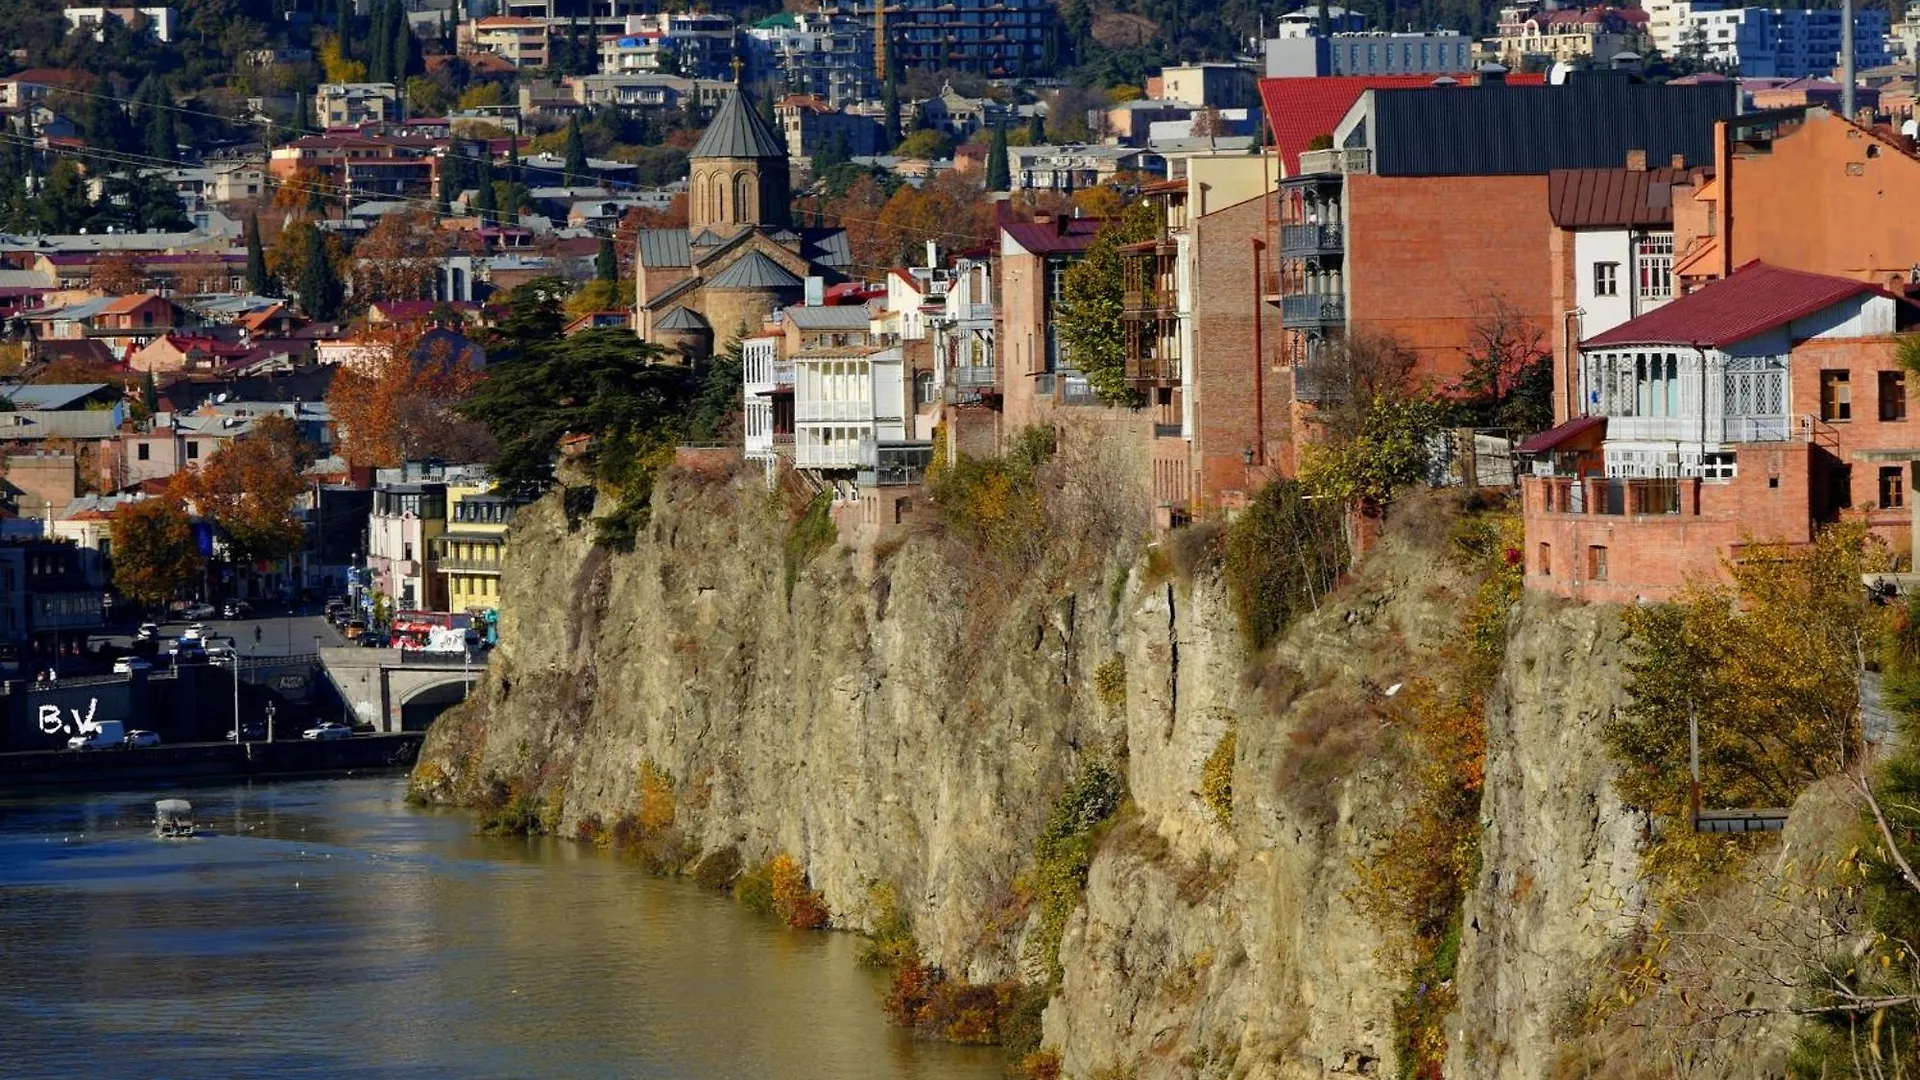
<point>166,764</point>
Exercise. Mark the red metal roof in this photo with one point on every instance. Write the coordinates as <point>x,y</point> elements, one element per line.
<point>1300,108</point>
<point>1754,299</point>
<point>1059,236</point>
<point>1560,436</point>
<point>1599,198</point>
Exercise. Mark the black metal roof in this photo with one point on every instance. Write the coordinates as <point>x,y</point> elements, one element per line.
<point>1587,123</point>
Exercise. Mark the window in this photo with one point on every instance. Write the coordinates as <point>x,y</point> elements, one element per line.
<point>1653,267</point>
<point>193,451</point>
<point>1606,279</point>
<point>1893,395</point>
<point>1893,487</point>
<point>1596,563</point>
<point>1546,558</point>
<point>1836,395</point>
<point>143,452</point>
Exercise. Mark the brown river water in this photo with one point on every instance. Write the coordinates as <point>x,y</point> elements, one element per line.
<point>327,929</point>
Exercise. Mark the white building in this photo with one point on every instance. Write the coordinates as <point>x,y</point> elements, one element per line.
<point>959,319</point>
<point>1435,52</point>
<point>353,104</point>
<point>847,404</point>
<point>1787,43</point>
<point>768,404</point>
<point>159,23</point>
<point>829,57</point>
<point>1305,22</point>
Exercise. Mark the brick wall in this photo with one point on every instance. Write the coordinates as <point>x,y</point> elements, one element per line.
<point>1020,335</point>
<point>1229,416</point>
<point>1428,256</point>
<point>1654,556</point>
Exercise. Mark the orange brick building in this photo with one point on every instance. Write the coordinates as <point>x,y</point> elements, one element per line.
<point>1807,189</point>
<point>1427,220</point>
<point>1751,409</point>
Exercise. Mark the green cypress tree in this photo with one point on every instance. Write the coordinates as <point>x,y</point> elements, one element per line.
<point>343,27</point>
<point>407,58</point>
<point>162,137</point>
<point>577,170</point>
<point>258,281</point>
<point>766,108</point>
<point>606,264</point>
<point>379,45</point>
<point>484,202</point>
<point>999,175</point>
<point>63,206</point>
<point>891,96</point>
<point>320,290</point>
<point>150,392</point>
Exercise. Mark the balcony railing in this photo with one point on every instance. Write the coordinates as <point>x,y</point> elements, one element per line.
<point>1336,161</point>
<point>894,464</point>
<point>482,566</point>
<point>1312,309</point>
<point>811,411</point>
<point>1311,239</point>
<point>1153,370</point>
<point>1619,496</point>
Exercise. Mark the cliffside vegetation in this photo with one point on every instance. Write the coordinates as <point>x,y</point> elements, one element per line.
<point>1417,881</point>
<point>1791,951</point>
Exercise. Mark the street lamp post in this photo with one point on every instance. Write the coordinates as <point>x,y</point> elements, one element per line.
<point>233,661</point>
<point>269,721</point>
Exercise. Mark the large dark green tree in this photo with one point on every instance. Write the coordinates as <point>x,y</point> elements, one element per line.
<point>606,384</point>
<point>999,175</point>
<point>606,263</point>
<point>577,171</point>
<point>1090,306</point>
<point>132,201</point>
<point>259,282</point>
<point>63,206</point>
<point>321,292</point>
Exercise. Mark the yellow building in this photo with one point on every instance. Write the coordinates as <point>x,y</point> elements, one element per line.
<point>471,547</point>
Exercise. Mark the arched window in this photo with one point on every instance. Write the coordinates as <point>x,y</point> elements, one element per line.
<point>742,199</point>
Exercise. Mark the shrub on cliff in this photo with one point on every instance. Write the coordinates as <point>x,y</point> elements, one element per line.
<point>1283,553</point>
<point>1062,854</point>
<point>797,905</point>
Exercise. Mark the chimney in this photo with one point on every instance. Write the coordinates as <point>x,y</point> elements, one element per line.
<point>1636,161</point>
<point>816,291</point>
<point>1678,162</point>
<point>1492,74</point>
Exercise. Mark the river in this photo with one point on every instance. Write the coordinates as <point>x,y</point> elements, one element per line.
<point>330,930</point>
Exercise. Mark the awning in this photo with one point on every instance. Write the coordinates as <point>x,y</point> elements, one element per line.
<point>1557,437</point>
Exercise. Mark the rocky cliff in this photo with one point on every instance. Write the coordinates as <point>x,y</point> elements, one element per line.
<point>902,722</point>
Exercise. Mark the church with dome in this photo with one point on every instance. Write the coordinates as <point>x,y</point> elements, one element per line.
<point>740,258</point>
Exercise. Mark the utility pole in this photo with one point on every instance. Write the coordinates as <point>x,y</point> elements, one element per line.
<point>1846,59</point>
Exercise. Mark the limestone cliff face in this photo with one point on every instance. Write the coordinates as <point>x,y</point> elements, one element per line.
<point>896,724</point>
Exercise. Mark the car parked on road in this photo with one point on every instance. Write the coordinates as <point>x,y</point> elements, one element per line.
<point>127,665</point>
<point>251,731</point>
<point>236,609</point>
<point>328,730</point>
<point>199,610</point>
<point>105,735</point>
<point>219,649</point>
<point>189,651</point>
<point>138,738</point>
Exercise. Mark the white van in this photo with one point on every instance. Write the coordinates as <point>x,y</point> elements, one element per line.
<point>102,735</point>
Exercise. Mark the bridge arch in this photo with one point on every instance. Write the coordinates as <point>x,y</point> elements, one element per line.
<point>425,699</point>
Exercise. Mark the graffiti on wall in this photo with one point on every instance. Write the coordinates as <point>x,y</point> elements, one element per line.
<point>54,722</point>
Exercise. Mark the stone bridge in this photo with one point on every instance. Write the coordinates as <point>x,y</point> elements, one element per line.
<point>399,689</point>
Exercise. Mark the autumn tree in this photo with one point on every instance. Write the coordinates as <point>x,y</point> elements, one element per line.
<point>393,402</point>
<point>1509,378</point>
<point>119,273</point>
<point>248,487</point>
<point>155,556</point>
<point>398,259</point>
